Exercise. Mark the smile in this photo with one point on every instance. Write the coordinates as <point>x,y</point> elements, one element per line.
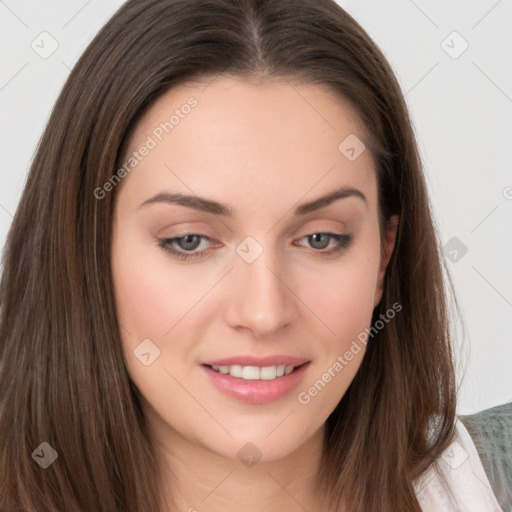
<point>254,384</point>
<point>254,372</point>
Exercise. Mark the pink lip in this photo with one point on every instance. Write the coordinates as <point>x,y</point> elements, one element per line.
<point>257,361</point>
<point>255,391</point>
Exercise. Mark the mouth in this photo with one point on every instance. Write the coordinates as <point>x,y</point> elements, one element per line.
<point>255,372</point>
<point>255,384</point>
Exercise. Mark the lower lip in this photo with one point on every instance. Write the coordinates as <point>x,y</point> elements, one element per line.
<point>256,391</point>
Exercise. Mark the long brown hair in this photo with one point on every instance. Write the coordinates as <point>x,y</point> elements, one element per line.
<point>63,377</point>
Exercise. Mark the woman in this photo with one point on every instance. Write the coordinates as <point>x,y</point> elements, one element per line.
<point>222,288</point>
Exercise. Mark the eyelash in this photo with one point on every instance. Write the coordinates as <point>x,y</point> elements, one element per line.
<point>343,242</point>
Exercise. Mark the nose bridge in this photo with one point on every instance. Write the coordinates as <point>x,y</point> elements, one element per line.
<point>261,300</point>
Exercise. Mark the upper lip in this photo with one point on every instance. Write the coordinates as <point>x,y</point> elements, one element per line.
<point>248,360</point>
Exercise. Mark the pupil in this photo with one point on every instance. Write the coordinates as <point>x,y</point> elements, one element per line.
<point>316,238</point>
<point>187,242</point>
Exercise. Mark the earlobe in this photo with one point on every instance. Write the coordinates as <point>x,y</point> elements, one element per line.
<point>388,247</point>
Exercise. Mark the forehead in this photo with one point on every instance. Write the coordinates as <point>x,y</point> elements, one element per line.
<point>249,136</point>
<point>241,109</point>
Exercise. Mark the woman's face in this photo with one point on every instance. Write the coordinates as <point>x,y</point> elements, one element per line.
<point>260,280</point>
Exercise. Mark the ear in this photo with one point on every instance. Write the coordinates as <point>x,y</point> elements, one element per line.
<point>389,244</point>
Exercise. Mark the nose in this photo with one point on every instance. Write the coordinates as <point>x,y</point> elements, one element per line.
<point>261,297</point>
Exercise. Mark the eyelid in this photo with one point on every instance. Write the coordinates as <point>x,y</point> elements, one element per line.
<point>298,234</point>
<point>323,226</point>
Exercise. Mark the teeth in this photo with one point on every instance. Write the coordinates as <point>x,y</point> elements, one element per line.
<point>268,373</point>
<point>255,372</point>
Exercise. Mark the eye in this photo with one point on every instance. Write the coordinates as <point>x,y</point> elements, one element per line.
<point>186,246</point>
<point>320,241</point>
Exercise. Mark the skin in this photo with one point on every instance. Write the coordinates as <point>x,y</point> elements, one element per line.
<point>262,148</point>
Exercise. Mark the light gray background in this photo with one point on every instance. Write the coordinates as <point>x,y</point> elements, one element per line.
<point>461,105</point>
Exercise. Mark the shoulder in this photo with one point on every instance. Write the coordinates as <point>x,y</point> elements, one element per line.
<point>464,474</point>
<point>491,432</point>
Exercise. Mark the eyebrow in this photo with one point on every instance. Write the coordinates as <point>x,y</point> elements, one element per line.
<point>210,206</point>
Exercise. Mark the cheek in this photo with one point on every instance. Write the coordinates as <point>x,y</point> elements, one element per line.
<point>144,299</point>
<point>151,294</point>
<point>342,295</point>
<point>342,299</point>
<point>153,299</point>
